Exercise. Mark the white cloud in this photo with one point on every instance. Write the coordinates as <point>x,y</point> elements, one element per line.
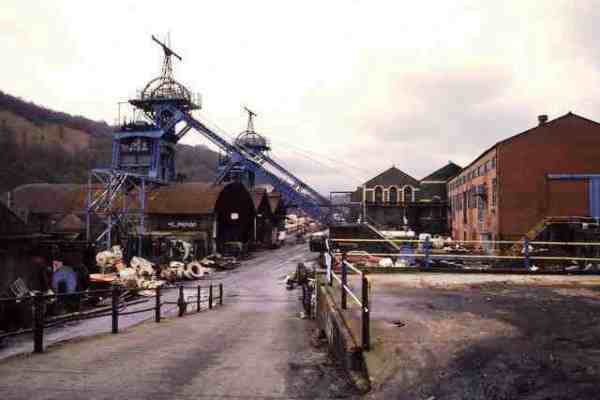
<point>374,83</point>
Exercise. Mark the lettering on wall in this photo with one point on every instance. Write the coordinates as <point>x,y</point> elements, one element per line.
<point>182,224</point>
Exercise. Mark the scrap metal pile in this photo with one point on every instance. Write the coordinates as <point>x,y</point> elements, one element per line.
<point>145,275</point>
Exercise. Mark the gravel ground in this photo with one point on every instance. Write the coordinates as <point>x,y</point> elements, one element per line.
<point>456,336</point>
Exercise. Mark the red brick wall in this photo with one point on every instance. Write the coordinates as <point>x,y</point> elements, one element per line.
<point>567,198</point>
<point>473,229</point>
<point>570,144</point>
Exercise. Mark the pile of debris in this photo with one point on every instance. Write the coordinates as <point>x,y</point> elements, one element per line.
<point>145,275</point>
<point>218,261</point>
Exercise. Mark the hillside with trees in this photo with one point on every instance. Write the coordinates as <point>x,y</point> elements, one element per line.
<point>42,145</point>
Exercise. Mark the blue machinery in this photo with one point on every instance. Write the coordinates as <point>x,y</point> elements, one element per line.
<point>143,158</point>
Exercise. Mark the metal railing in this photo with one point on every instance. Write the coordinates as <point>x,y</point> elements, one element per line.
<point>427,255</point>
<point>346,291</point>
<point>39,303</point>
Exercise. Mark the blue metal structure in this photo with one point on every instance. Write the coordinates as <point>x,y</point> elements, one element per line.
<point>261,165</point>
<point>144,158</point>
<point>229,170</point>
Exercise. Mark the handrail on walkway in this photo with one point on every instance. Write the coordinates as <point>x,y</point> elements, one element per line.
<point>362,302</point>
<point>115,309</point>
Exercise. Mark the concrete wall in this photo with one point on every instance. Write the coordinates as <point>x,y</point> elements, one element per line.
<point>341,343</point>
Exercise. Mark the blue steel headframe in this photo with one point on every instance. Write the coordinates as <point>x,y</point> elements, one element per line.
<point>293,197</point>
<point>161,132</point>
<point>293,190</point>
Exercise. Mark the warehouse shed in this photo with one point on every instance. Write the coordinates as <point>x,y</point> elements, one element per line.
<point>214,213</point>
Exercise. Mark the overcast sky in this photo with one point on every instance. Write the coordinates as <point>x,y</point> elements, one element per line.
<point>361,85</point>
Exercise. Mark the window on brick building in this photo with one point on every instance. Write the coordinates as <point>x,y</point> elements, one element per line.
<point>493,162</point>
<point>483,198</point>
<point>494,191</point>
<point>378,195</point>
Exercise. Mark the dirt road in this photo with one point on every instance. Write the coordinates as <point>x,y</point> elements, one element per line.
<point>254,347</point>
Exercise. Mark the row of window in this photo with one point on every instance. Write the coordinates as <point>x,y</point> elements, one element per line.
<point>394,194</point>
<point>474,173</point>
<point>475,197</point>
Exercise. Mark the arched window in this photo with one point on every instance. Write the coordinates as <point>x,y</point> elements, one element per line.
<point>393,195</point>
<point>378,195</point>
<point>408,194</point>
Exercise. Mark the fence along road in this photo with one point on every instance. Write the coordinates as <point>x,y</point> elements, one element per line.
<point>23,344</point>
<point>254,346</point>
<point>427,255</point>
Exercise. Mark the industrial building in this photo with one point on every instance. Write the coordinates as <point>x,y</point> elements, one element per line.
<point>396,200</point>
<point>519,184</point>
<point>210,214</point>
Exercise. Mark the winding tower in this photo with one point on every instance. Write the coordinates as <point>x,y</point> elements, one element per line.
<point>143,156</point>
<point>255,144</point>
<point>143,159</point>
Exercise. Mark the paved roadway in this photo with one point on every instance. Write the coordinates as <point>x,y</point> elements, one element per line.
<point>254,347</point>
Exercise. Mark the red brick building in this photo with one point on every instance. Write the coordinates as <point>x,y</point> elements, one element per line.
<point>507,190</point>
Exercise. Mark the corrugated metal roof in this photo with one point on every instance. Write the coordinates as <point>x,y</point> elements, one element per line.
<point>177,198</point>
<point>184,198</point>
<point>180,198</point>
